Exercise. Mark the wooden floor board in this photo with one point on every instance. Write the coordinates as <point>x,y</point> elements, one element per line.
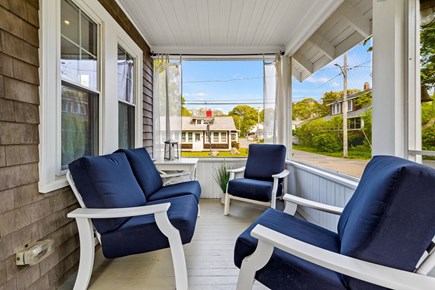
<point>209,257</point>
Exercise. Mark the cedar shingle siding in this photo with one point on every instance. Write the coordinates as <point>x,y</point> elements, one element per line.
<point>25,214</point>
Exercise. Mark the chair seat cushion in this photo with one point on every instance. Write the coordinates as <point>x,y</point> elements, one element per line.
<point>140,234</point>
<point>106,182</point>
<point>177,189</point>
<point>253,189</point>
<point>285,271</point>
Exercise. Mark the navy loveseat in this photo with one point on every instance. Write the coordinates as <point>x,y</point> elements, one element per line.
<point>128,178</point>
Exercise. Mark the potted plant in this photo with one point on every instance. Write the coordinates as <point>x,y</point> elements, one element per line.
<point>222,176</point>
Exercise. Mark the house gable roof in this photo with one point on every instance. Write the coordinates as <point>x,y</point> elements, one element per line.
<point>218,124</point>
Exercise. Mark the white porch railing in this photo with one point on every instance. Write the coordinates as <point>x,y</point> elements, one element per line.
<point>322,186</point>
<point>309,182</point>
<point>206,170</point>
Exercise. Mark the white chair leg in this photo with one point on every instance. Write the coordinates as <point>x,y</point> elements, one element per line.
<point>199,210</point>
<point>252,264</point>
<point>176,247</point>
<point>290,208</point>
<point>227,204</point>
<point>87,253</point>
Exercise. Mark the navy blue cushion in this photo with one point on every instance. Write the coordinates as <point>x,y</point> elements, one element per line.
<point>253,189</point>
<point>140,234</point>
<point>144,169</point>
<point>177,189</point>
<point>265,160</point>
<point>390,218</point>
<point>106,182</point>
<point>285,271</point>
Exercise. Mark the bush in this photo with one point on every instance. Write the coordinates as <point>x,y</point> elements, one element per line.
<point>428,138</point>
<point>235,144</point>
<point>326,142</point>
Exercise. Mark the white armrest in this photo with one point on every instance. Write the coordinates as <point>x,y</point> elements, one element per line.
<point>313,204</point>
<point>236,170</point>
<point>370,272</point>
<point>283,174</point>
<point>101,213</point>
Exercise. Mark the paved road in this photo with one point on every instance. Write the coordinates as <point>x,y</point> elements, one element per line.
<point>353,167</point>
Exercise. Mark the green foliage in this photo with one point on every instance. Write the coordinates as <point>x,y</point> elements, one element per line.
<point>427,55</point>
<point>428,138</point>
<point>307,108</point>
<point>245,117</point>
<point>184,111</point>
<point>327,142</point>
<point>221,176</point>
<point>427,112</point>
<point>364,100</point>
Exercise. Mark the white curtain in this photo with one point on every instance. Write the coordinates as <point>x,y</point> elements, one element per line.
<point>276,88</point>
<point>167,104</point>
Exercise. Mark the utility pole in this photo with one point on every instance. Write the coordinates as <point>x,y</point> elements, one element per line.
<point>344,104</point>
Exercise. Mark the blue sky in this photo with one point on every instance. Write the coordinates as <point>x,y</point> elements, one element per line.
<point>241,82</point>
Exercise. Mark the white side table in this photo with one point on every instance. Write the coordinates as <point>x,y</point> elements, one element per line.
<point>180,164</point>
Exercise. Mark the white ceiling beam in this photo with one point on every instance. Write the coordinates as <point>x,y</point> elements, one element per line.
<point>323,44</point>
<point>303,61</point>
<point>180,49</point>
<point>356,19</point>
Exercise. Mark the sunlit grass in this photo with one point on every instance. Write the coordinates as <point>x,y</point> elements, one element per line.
<point>206,154</point>
<point>352,154</point>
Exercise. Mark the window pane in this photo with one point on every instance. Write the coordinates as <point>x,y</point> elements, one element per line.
<point>125,76</point>
<point>78,50</point>
<point>223,137</point>
<point>79,121</point>
<point>125,126</point>
<point>70,21</point>
<point>89,35</point>
<point>190,140</point>
<point>215,137</point>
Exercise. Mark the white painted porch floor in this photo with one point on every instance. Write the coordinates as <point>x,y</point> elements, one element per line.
<point>209,256</point>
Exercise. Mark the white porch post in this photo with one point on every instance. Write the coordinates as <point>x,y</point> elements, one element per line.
<point>288,92</point>
<point>389,77</point>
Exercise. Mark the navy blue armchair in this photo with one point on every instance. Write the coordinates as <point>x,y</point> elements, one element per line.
<point>383,240</point>
<point>263,176</point>
<point>122,199</point>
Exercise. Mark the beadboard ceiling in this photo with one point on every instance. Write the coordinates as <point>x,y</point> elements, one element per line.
<point>314,32</point>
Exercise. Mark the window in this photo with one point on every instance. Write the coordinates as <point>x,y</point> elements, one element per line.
<point>224,137</point>
<point>198,122</point>
<point>336,109</point>
<point>354,123</point>
<point>197,137</point>
<point>79,87</point>
<point>80,106</point>
<point>350,105</point>
<point>190,137</point>
<point>233,137</point>
<point>215,137</point>
<point>126,108</point>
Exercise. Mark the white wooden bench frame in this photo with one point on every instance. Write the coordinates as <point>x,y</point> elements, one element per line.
<point>86,230</point>
<point>269,239</point>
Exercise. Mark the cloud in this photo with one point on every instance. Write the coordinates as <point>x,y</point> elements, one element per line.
<point>317,80</point>
<point>196,95</point>
<point>335,84</point>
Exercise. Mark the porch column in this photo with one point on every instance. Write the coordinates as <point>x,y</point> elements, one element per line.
<point>389,77</point>
<point>287,79</point>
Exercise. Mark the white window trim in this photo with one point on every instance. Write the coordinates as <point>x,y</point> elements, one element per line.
<point>110,35</point>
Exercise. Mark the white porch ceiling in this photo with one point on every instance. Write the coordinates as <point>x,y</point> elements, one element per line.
<point>314,32</point>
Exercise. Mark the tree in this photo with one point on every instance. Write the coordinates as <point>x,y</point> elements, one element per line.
<point>427,55</point>
<point>307,108</point>
<point>364,100</point>
<point>332,97</point>
<point>184,111</point>
<point>245,117</point>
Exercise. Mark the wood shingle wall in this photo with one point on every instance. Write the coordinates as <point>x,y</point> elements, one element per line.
<point>25,214</point>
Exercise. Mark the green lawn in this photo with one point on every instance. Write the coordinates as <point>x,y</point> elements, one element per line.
<point>243,153</point>
<point>353,154</point>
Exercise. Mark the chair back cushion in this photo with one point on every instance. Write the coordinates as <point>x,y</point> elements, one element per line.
<point>265,160</point>
<point>390,219</point>
<point>144,169</point>
<point>107,182</point>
